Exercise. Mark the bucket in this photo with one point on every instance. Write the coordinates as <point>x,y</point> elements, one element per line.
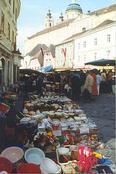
<point>48,166</point>
<point>5,165</point>
<point>28,168</point>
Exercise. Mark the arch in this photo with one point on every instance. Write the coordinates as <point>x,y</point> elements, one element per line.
<point>2,70</point>
<point>8,75</point>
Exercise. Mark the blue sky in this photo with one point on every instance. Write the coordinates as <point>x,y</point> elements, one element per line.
<point>33,13</point>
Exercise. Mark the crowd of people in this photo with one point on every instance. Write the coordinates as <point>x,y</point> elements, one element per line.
<point>77,85</point>
<point>86,85</point>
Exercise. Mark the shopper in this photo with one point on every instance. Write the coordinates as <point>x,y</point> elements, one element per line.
<point>98,81</point>
<point>87,92</point>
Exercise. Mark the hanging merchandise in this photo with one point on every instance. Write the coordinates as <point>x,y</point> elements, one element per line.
<point>86,159</point>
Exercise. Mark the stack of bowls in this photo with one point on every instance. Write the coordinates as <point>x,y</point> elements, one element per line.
<point>5,165</point>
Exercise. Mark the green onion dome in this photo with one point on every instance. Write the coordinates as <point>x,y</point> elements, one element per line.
<point>74,7</point>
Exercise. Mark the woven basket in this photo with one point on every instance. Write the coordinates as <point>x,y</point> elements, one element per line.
<point>70,167</point>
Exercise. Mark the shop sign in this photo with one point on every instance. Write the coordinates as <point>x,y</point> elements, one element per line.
<point>17,61</point>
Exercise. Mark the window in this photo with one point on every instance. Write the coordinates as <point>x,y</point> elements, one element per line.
<point>16,14</point>
<point>84,44</point>
<point>8,31</point>
<point>95,41</point>
<point>79,58</point>
<point>108,53</point>
<point>13,6</point>
<point>14,43</point>
<point>83,29</point>
<point>95,56</point>
<point>84,58</point>
<point>12,36</point>
<point>2,22</point>
<point>108,37</point>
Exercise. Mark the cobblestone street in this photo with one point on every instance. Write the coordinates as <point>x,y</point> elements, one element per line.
<point>102,112</point>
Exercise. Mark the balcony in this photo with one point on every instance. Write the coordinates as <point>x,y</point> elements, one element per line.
<point>5,41</point>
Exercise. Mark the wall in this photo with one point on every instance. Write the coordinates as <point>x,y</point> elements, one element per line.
<point>64,55</point>
<point>92,51</point>
<point>9,12</point>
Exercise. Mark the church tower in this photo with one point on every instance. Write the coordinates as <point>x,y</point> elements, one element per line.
<point>73,10</point>
<point>61,18</point>
<point>49,20</point>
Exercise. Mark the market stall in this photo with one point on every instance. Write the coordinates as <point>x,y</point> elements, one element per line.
<point>54,131</point>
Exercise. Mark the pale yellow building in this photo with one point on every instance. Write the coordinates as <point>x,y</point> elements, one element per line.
<point>73,22</point>
<point>9,55</point>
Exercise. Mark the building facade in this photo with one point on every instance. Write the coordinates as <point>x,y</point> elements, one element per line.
<point>98,43</point>
<point>74,23</point>
<point>94,44</point>
<point>64,55</point>
<point>9,55</point>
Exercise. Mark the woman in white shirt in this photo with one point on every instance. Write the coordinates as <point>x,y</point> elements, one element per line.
<point>98,81</point>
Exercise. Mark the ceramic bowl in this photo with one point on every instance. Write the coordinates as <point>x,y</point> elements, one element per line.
<point>34,155</point>
<point>13,154</point>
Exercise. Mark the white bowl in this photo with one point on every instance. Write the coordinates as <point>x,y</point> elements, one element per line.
<point>63,150</point>
<point>49,166</point>
<point>34,155</point>
<point>13,154</point>
<point>25,120</point>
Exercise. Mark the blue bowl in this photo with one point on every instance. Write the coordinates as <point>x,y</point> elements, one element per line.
<point>34,155</point>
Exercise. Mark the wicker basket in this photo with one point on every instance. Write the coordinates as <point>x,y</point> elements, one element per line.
<point>70,167</point>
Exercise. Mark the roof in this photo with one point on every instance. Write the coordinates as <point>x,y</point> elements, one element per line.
<point>67,22</point>
<point>104,10</point>
<point>36,49</point>
<point>102,62</point>
<point>58,26</point>
<point>74,6</point>
<point>39,56</point>
<point>28,71</point>
<point>42,47</point>
<point>74,35</point>
<point>107,22</point>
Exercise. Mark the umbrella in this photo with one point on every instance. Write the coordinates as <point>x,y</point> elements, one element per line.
<point>102,62</point>
<point>46,69</point>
